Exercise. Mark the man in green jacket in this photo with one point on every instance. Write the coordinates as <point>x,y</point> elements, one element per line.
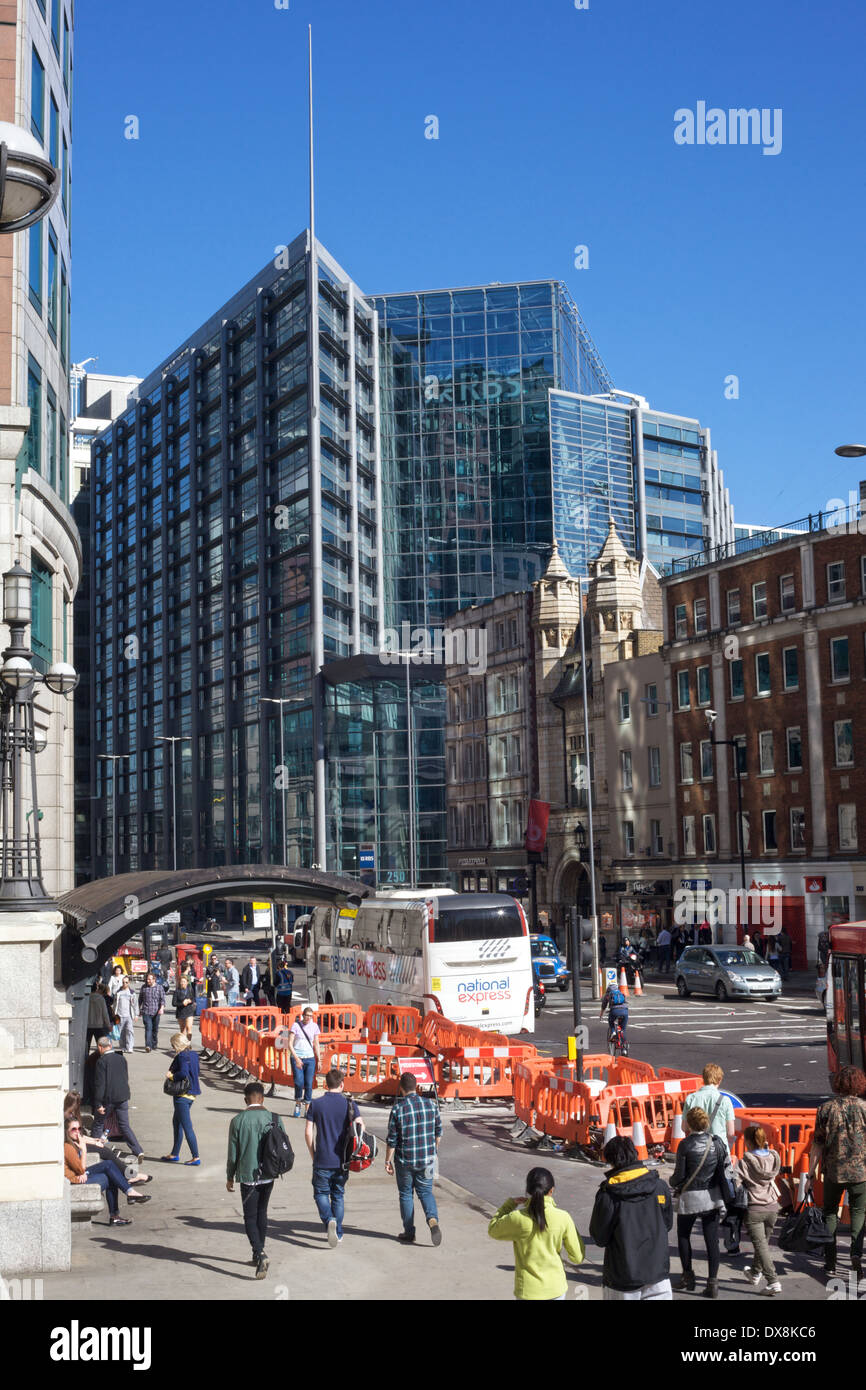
<point>245,1133</point>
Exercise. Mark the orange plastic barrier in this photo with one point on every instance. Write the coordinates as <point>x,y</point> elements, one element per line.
<point>334,1020</point>
<point>478,1072</point>
<point>402,1025</point>
<point>371,1068</point>
<point>438,1032</point>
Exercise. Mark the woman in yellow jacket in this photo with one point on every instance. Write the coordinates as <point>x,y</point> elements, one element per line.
<point>538,1231</point>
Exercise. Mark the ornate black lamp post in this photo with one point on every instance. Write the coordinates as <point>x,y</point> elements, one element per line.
<point>20,855</point>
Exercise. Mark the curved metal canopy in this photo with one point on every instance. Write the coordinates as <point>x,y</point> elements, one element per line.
<point>99,914</point>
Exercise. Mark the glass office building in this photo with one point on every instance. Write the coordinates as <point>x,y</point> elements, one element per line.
<point>656,474</point>
<point>466,465</point>
<point>235,552</point>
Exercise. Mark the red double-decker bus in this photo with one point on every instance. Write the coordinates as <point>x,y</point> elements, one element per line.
<point>846,1005</point>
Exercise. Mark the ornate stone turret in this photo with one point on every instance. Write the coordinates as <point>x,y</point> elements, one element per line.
<point>616,600</point>
<point>557,610</point>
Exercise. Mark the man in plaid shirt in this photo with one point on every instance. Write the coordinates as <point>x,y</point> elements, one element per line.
<point>414,1131</point>
<point>151,1003</point>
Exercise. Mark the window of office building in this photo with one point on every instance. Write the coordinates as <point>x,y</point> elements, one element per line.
<point>35,266</point>
<point>657,844</point>
<point>791,668</point>
<point>733,607</point>
<point>625,770</point>
<point>37,97</point>
<point>700,613</point>
<point>765,751</point>
<point>795,750</point>
<point>689,835</point>
<point>786,593</point>
<point>839,663</point>
<point>53,286</point>
<point>683,697</point>
<point>655,767</point>
<point>41,613</point>
<point>628,837</point>
<point>737,689</point>
<point>624,707</point>
<point>836,582</point>
<point>681,626</point>
<point>759,600</point>
<point>709,826</point>
<point>762,673</point>
<point>706,759</point>
<point>798,828</point>
<point>847,827</point>
<point>769,819</point>
<point>651,700</point>
<point>703,678</point>
<point>686,763</point>
<point>844,741</point>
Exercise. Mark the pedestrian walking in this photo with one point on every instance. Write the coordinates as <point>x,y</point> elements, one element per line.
<point>184,1001</point>
<point>758,1169</point>
<point>111,1092</point>
<point>664,944</point>
<point>184,1065</point>
<point>786,949</point>
<point>214,982</point>
<point>719,1107</point>
<point>414,1131</point>
<point>151,1005</point>
<point>539,1232</point>
<point>839,1148</point>
<point>232,982</point>
<point>245,1137</point>
<point>163,956</point>
<point>631,1218</point>
<point>285,984</point>
<point>748,943</point>
<point>306,1058</point>
<point>705,933</point>
<point>106,1175</point>
<point>329,1120</point>
<point>115,982</point>
<point>702,1160</point>
<point>678,943</point>
<point>99,1019</point>
<point>823,949</point>
<point>251,980</point>
<point>602,949</point>
<point>773,954</point>
<point>125,1014</point>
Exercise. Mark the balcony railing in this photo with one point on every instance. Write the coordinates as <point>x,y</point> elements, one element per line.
<point>814,522</point>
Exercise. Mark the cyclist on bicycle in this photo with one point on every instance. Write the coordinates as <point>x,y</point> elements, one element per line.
<point>614,1000</point>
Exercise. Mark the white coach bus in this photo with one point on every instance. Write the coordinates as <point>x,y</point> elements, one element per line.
<point>465,954</point>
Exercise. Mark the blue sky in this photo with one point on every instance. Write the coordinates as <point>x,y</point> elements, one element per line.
<point>556,129</point>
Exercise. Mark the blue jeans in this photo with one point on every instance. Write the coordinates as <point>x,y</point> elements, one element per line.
<point>182,1122</point>
<point>622,1015</point>
<point>232,997</point>
<point>410,1180</point>
<point>305,1076</point>
<point>109,1177</point>
<point>151,1029</point>
<point>328,1186</point>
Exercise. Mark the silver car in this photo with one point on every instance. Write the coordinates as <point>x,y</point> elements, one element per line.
<point>726,972</point>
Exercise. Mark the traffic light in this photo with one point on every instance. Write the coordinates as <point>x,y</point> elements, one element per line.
<point>585,942</point>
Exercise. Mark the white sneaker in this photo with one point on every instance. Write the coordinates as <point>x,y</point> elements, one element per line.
<point>332,1233</point>
<point>753,1275</point>
<point>773,1288</point>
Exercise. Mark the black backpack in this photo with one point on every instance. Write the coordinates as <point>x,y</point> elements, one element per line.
<point>276,1155</point>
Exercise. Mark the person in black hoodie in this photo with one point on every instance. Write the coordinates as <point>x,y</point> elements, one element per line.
<point>632,1215</point>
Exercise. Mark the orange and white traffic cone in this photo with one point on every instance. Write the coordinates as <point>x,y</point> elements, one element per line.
<point>638,1138</point>
<point>623,981</point>
<point>609,1133</point>
<point>638,987</point>
<point>677,1132</point>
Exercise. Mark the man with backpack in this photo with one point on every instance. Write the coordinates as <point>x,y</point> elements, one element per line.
<point>328,1132</point>
<point>259,1152</point>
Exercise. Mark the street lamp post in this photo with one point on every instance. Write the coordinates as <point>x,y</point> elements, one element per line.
<point>283,700</point>
<point>734,744</point>
<point>113,758</point>
<point>173,739</point>
<point>596,986</point>
<point>20,852</point>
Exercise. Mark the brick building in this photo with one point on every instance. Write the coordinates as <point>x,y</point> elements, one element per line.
<point>771,642</point>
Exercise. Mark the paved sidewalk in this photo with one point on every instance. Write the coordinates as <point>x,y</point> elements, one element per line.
<point>189,1240</point>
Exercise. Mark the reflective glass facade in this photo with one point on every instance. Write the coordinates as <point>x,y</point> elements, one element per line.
<point>204,606</point>
<point>466,465</point>
<point>655,473</point>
